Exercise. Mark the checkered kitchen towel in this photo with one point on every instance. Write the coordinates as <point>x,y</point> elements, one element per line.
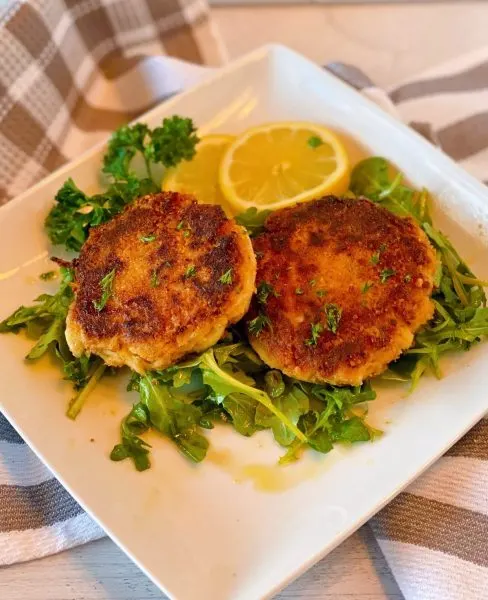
<point>70,72</point>
<point>73,70</point>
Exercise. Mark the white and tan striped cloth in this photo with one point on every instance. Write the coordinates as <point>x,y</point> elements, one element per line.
<point>73,71</point>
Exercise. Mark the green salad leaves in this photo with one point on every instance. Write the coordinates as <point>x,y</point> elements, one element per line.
<point>75,212</point>
<point>45,321</point>
<point>229,383</point>
<point>461,318</point>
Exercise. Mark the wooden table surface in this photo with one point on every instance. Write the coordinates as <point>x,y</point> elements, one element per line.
<point>356,570</point>
<point>366,36</point>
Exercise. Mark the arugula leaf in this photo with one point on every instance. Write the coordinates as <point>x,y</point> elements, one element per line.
<point>46,320</point>
<point>224,383</point>
<point>175,419</point>
<point>242,410</point>
<point>217,385</point>
<point>293,403</point>
<point>92,371</point>
<point>253,220</point>
<point>161,410</point>
<point>332,419</point>
<point>132,446</point>
<point>371,178</point>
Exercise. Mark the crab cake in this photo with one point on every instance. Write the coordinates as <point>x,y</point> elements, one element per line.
<point>161,280</point>
<point>342,286</point>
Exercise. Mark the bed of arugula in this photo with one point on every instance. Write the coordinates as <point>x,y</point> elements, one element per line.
<point>229,383</point>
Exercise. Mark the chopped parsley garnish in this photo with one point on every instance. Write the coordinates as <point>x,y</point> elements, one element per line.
<point>313,282</point>
<point>321,293</point>
<point>407,278</point>
<point>167,264</point>
<point>256,325</point>
<point>386,274</point>
<point>333,314</point>
<point>190,271</point>
<point>106,287</point>
<point>367,286</point>
<point>315,331</point>
<point>375,259</point>
<point>314,141</point>
<point>299,291</point>
<point>154,279</point>
<point>264,290</point>
<point>47,276</point>
<point>184,228</point>
<point>226,278</point>
<point>147,239</point>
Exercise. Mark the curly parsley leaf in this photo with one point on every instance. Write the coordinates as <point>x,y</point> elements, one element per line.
<point>75,212</point>
<point>173,142</point>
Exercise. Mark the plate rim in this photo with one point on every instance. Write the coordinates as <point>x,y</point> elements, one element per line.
<point>264,52</point>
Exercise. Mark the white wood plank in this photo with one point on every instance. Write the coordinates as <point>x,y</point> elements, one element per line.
<point>100,571</point>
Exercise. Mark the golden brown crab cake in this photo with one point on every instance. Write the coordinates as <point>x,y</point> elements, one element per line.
<point>342,286</point>
<point>174,274</point>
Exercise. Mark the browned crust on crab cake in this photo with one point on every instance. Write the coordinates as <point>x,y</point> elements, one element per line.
<point>168,299</point>
<point>319,255</point>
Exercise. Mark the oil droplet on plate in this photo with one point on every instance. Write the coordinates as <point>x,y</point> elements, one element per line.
<point>270,478</point>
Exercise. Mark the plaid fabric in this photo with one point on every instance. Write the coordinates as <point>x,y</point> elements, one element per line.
<point>434,535</point>
<point>62,68</point>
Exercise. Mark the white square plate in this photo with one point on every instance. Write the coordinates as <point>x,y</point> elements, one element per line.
<point>211,531</point>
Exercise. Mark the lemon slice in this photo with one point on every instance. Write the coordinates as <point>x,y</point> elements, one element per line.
<point>199,176</point>
<point>279,164</point>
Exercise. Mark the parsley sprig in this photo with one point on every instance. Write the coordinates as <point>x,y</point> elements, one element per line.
<point>75,212</point>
